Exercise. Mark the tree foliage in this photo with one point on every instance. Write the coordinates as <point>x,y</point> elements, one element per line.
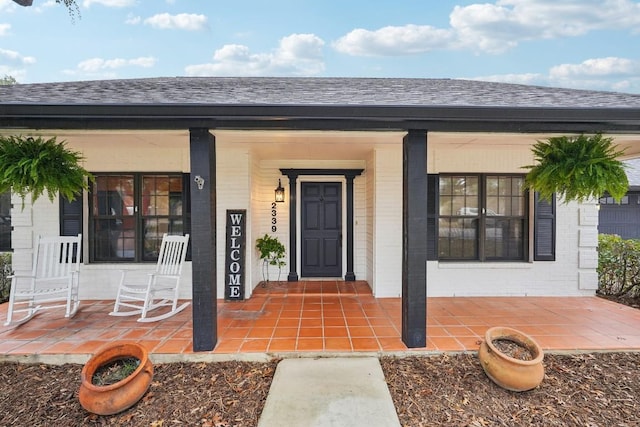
<point>71,5</point>
<point>577,168</point>
<point>8,80</point>
<point>35,165</point>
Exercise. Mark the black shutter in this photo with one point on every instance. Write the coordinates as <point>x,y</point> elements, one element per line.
<point>544,229</point>
<point>71,216</point>
<point>433,187</point>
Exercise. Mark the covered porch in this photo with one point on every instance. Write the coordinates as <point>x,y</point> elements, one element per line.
<point>329,317</point>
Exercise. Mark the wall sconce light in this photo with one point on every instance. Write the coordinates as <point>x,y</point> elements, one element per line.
<point>279,192</point>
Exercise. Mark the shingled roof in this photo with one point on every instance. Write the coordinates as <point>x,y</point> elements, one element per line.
<point>315,103</point>
<point>311,91</point>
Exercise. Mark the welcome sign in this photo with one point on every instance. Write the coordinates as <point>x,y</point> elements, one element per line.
<point>235,255</point>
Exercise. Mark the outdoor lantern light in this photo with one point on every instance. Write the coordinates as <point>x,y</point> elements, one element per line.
<point>279,192</point>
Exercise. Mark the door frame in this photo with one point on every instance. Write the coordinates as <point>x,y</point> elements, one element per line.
<point>347,176</point>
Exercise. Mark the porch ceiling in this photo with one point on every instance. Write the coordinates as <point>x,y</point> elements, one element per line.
<point>325,145</point>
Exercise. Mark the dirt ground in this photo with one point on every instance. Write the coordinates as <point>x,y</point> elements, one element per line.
<point>598,389</point>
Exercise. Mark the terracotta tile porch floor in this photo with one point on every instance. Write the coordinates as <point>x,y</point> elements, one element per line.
<point>333,317</point>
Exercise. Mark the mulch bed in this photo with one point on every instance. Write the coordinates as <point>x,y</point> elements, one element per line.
<point>599,389</point>
<point>217,394</point>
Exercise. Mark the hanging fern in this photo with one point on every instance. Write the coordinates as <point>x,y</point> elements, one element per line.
<point>577,168</point>
<point>35,165</point>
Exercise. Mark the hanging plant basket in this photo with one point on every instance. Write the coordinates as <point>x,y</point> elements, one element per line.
<point>577,168</point>
<point>36,165</point>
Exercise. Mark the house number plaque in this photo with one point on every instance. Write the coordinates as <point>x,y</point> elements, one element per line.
<point>274,217</point>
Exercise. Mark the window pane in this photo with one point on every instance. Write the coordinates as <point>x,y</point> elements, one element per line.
<point>162,211</point>
<point>504,222</point>
<point>457,238</point>
<point>504,239</point>
<point>113,213</point>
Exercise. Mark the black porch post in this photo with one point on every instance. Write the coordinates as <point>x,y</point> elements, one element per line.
<point>414,239</point>
<point>202,151</point>
<point>293,275</point>
<point>349,275</point>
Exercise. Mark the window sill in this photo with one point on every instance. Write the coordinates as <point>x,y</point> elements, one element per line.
<point>512,265</point>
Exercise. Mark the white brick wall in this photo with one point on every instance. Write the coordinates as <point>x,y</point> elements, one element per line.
<point>246,180</point>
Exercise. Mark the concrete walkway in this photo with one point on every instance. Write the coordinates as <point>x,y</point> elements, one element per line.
<point>329,392</point>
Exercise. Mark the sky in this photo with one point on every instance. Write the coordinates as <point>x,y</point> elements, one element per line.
<point>582,44</point>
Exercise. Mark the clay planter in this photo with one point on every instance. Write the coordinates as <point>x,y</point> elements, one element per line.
<point>114,398</point>
<point>508,372</point>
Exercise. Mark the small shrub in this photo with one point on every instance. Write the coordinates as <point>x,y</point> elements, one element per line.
<point>618,266</point>
<point>5,272</point>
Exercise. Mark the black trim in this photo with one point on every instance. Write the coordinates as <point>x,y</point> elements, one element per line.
<point>544,229</point>
<point>320,117</point>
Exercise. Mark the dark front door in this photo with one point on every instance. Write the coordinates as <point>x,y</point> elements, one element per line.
<point>321,229</point>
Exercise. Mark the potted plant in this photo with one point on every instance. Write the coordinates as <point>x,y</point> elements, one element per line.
<point>511,359</point>
<point>272,252</point>
<point>115,378</point>
<point>577,168</point>
<point>35,165</point>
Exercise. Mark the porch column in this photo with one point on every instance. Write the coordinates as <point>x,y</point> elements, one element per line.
<point>202,152</point>
<point>414,239</point>
<point>293,225</point>
<point>350,275</point>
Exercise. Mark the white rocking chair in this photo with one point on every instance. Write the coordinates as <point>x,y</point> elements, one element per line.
<point>162,287</point>
<point>53,281</point>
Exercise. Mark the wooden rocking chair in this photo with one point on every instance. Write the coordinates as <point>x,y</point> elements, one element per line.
<point>162,286</point>
<point>53,281</point>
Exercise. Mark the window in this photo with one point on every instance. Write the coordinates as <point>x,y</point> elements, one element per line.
<point>611,201</point>
<point>5,221</point>
<point>129,213</point>
<point>482,217</point>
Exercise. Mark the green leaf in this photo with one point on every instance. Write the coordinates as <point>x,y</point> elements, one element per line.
<point>36,165</point>
<point>577,168</point>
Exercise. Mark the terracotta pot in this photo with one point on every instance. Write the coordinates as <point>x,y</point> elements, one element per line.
<point>114,398</point>
<point>506,371</point>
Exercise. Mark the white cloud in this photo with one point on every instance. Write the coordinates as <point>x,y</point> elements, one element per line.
<point>610,66</point>
<point>524,79</point>
<point>4,29</point>
<point>133,20</point>
<point>611,74</point>
<point>496,27</point>
<point>94,65</point>
<point>13,56</point>
<point>17,73</point>
<point>109,3</point>
<point>392,41</point>
<point>296,55</point>
<point>7,6</point>
<point>182,21</point>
